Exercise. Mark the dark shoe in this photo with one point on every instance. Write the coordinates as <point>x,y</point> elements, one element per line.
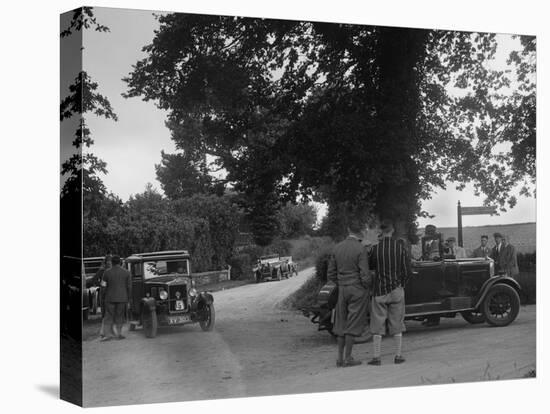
<point>339,363</point>
<point>398,359</point>
<point>120,337</point>
<point>375,361</point>
<point>351,363</point>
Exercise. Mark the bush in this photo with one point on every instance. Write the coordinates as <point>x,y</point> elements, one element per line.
<point>241,266</point>
<point>280,247</point>
<point>527,261</point>
<point>305,296</point>
<point>253,251</point>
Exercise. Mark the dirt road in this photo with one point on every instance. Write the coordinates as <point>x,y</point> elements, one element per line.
<point>259,349</point>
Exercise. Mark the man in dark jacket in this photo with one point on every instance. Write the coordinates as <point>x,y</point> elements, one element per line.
<point>390,261</point>
<point>509,260</point>
<point>117,284</point>
<point>483,250</point>
<point>497,251</point>
<point>349,269</point>
<point>98,279</point>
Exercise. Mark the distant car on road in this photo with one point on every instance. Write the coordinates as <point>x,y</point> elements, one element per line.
<point>164,292</point>
<point>274,267</point>
<point>443,287</point>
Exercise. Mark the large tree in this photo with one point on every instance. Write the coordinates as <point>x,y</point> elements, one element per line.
<point>82,169</point>
<point>358,116</point>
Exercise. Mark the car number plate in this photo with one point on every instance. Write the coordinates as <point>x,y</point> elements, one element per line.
<point>179,305</point>
<point>174,320</point>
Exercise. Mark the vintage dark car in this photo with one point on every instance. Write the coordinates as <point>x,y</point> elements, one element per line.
<point>442,286</point>
<point>91,267</point>
<point>73,284</point>
<point>274,267</point>
<point>164,292</point>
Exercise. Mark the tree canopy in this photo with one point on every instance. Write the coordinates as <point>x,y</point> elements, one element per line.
<point>358,116</point>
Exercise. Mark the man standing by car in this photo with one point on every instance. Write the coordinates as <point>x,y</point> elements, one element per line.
<point>483,250</point>
<point>509,259</point>
<point>390,261</point>
<point>117,285</point>
<point>98,279</point>
<point>349,269</point>
<point>498,251</point>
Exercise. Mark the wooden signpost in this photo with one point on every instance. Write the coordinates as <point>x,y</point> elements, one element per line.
<point>471,211</point>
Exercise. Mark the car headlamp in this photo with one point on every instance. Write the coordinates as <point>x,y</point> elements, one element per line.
<point>163,294</point>
<point>491,268</point>
<point>193,292</point>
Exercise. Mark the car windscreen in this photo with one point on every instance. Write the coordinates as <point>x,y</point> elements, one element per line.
<point>154,268</point>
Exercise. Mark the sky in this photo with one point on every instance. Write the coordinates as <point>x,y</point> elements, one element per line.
<point>132,146</point>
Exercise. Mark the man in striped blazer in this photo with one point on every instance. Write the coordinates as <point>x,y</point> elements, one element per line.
<point>390,261</point>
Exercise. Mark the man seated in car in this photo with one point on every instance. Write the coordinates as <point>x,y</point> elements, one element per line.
<point>455,251</point>
<point>431,243</point>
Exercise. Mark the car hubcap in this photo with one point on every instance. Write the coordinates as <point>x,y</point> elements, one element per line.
<point>500,306</point>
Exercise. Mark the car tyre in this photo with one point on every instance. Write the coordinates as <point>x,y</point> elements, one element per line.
<point>150,324</point>
<point>501,305</point>
<point>473,317</point>
<point>207,325</point>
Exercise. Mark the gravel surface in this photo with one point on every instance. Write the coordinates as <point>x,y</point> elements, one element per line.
<point>258,348</point>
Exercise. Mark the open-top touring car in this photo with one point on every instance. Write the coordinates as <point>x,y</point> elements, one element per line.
<point>164,292</point>
<point>274,267</point>
<point>443,286</point>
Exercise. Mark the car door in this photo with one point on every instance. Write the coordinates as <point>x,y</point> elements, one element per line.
<point>425,283</point>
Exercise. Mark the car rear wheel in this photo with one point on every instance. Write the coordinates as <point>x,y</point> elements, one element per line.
<point>473,317</point>
<point>150,323</point>
<point>501,305</point>
<point>207,324</point>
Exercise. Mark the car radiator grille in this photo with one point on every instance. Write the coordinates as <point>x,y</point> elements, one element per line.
<point>172,297</point>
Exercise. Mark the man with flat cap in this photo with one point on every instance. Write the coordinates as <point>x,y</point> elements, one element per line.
<point>390,261</point>
<point>118,284</point>
<point>349,269</point>
<point>505,257</point>
<point>497,253</point>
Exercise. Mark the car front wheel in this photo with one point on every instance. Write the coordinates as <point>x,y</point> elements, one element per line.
<point>473,317</point>
<point>209,318</point>
<point>501,305</point>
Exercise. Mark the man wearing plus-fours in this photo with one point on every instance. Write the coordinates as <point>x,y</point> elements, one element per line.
<point>390,261</point>
<point>349,269</point>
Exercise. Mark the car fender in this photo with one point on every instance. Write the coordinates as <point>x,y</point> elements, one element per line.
<point>206,298</point>
<point>503,279</point>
